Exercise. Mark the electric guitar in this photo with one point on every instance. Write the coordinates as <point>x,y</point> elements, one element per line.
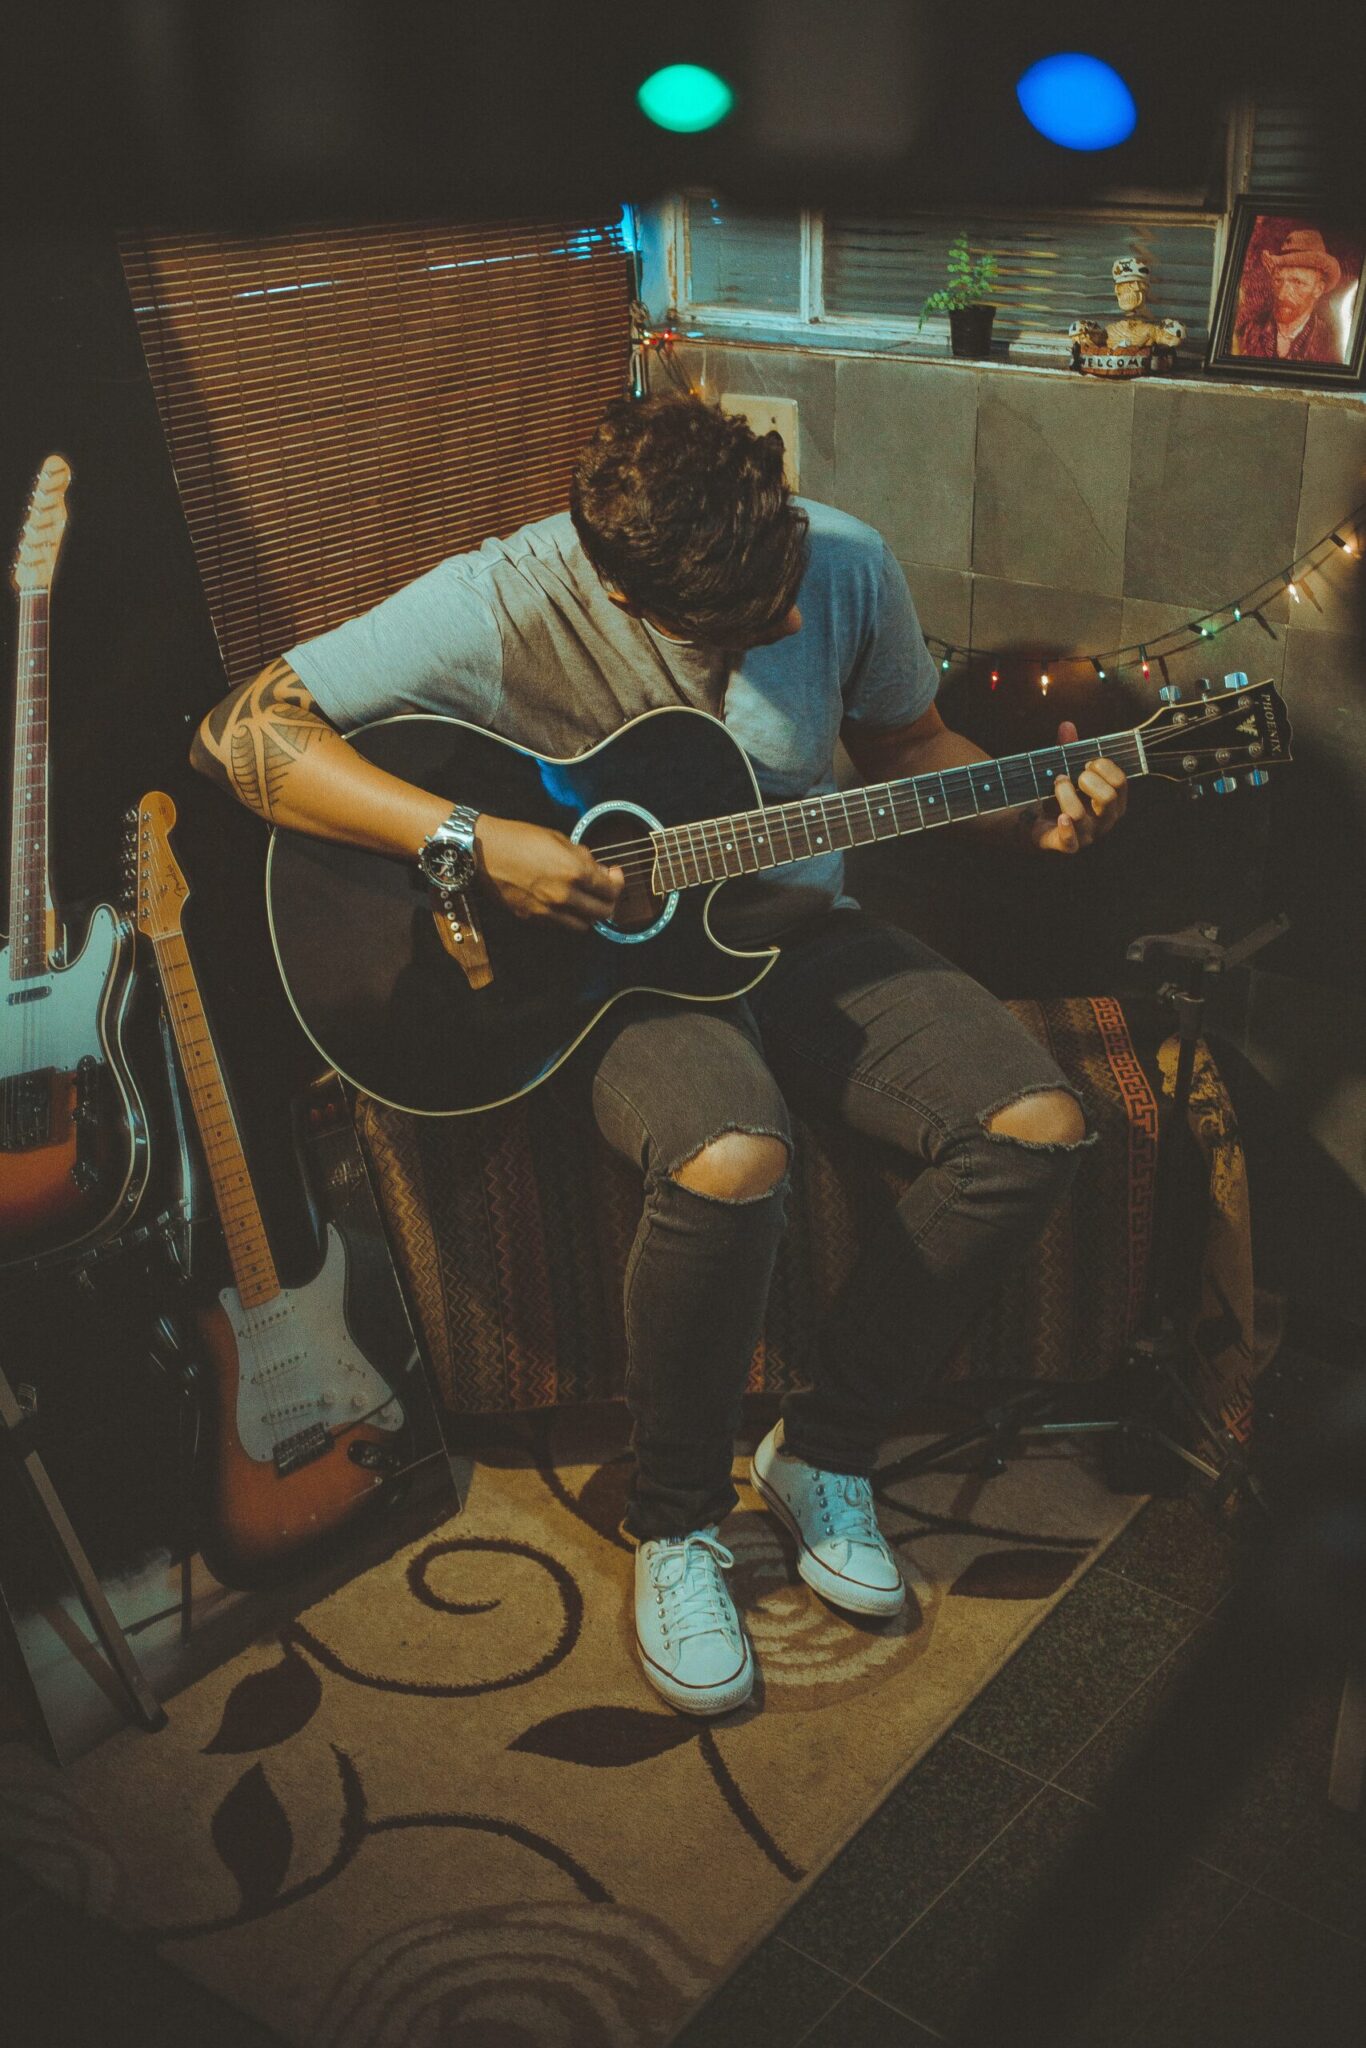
<point>73,1127</point>
<point>366,954</point>
<point>301,1414</point>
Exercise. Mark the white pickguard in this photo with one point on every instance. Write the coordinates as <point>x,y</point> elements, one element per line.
<point>53,1019</point>
<point>298,1366</point>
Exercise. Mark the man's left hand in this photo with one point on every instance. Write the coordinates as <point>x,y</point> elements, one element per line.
<point>1082,810</point>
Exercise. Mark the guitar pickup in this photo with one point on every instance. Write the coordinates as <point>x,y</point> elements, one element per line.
<point>302,1448</point>
<point>26,1105</point>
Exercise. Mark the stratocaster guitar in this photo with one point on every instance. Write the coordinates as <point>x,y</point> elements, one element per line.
<point>301,1415</point>
<point>671,798</point>
<point>73,1128</point>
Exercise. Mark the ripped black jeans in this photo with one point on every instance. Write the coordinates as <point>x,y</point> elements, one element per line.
<point>857,1022</point>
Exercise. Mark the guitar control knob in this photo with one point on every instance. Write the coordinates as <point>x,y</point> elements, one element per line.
<point>1226,785</point>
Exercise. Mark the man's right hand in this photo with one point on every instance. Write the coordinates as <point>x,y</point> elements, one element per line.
<point>536,873</point>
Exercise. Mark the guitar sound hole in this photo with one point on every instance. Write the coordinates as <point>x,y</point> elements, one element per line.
<point>621,839</point>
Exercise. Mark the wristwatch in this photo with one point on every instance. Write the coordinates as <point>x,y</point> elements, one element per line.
<point>446,856</point>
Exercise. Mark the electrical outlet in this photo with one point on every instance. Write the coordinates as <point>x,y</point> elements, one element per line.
<point>764,415</point>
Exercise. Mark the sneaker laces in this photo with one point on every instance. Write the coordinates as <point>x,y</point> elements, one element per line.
<point>687,1574</point>
<point>848,1511</point>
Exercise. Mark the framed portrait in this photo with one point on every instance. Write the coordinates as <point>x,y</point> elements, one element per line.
<point>1290,300</point>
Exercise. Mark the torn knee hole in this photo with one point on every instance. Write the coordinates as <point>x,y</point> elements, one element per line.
<point>735,1166</point>
<point>1050,1117</point>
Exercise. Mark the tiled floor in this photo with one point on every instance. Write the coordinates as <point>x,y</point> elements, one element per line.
<point>1259,1940</point>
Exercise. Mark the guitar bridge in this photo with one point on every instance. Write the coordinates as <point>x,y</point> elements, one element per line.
<point>302,1448</point>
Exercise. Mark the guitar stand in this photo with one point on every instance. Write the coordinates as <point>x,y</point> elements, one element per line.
<point>16,1436</point>
<point>1153,1372</point>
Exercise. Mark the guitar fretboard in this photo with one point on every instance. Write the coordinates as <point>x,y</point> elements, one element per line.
<point>28,876</point>
<point>253,1267</point>
<point>743,844</point>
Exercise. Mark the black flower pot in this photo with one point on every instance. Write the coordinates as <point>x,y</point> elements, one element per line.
<point>970,330</point>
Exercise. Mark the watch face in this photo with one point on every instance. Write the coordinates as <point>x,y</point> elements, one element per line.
<point>447,864</point>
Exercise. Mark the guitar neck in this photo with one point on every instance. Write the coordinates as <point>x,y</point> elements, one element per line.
<point>30,902</point>
<point>253,1267</point>
<point>751,841</point>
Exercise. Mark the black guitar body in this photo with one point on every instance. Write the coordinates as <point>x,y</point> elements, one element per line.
<point>365,967</point>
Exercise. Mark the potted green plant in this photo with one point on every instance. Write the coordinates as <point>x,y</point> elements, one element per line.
<point>970,317</point>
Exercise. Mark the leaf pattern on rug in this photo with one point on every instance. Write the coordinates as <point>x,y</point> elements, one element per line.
<point>605,1737</point>
<point>419,1587</point>
<point>1015,1575</point>
<point>252,1835</point>
<point>267,1707</point>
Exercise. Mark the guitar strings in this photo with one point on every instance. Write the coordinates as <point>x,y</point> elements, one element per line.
<point>638,856</point>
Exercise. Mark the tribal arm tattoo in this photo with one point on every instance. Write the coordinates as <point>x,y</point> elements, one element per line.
<point>249,743</point>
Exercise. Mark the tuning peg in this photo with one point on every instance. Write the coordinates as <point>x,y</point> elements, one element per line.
<point>1205,686</point>
<point>1170,694</point>
<point>1236,679</point>
<point>1195,789</point>
<point>1225,785</point>
<point>1256,778</point>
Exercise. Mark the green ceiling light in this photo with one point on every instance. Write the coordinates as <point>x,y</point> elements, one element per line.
<point>685,98</point>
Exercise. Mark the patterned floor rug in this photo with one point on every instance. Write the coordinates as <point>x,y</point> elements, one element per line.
<point>442,1806</point>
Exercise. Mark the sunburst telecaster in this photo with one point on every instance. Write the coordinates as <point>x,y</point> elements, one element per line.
<point>302,1416</point>
<point>672,799</point>
<point>73,1127</point>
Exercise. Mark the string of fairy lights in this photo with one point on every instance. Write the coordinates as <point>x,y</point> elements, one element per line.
<point>1140,656</point>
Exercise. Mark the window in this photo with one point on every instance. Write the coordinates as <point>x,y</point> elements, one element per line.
<point>829,276</point>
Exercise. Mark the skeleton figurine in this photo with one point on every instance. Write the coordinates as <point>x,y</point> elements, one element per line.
<point>1131,346</point>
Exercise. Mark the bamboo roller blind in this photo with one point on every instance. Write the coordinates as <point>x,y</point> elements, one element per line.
<point>345,406</point>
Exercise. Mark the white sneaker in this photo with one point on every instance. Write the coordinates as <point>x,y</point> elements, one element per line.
<point>692,1646</point>
<point>841,1552</point>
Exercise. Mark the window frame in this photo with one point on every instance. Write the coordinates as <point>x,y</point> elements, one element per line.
<point>813,319</point>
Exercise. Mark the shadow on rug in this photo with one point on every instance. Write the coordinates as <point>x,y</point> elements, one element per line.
<point>442,1806</point>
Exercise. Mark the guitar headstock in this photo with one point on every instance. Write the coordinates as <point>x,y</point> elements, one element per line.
<point>1224,739</point>
<point>161,888</point>
<point>35,563</point>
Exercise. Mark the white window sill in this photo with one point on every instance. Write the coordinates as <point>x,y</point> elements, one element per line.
<point>828,339</point>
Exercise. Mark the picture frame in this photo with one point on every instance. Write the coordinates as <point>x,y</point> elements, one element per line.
<point>1277,318</point>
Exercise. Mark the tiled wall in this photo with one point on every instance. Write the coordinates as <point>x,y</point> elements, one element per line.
<point>1049,513</point>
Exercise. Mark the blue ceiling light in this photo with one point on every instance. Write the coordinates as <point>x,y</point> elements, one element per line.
<point>1078,102</point>
<point>685,98</point>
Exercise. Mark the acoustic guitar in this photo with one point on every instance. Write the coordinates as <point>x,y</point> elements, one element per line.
<point>303,1420</point>
<point>73,1127</point>
<point>671,798</point>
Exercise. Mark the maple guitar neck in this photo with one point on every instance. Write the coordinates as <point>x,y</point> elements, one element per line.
<point>244,1231</point>
<point>711,849</point>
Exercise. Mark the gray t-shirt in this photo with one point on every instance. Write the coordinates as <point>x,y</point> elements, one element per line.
<point>520,637</point>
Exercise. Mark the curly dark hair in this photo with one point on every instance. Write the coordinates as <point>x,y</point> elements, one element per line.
<point>684,509</point>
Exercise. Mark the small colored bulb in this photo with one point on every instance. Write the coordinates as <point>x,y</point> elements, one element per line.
<point>685,98</point>
<point>995,677</point>
<point>944,663</point>
<point>1043,685</point>
<point>1294,592</point>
